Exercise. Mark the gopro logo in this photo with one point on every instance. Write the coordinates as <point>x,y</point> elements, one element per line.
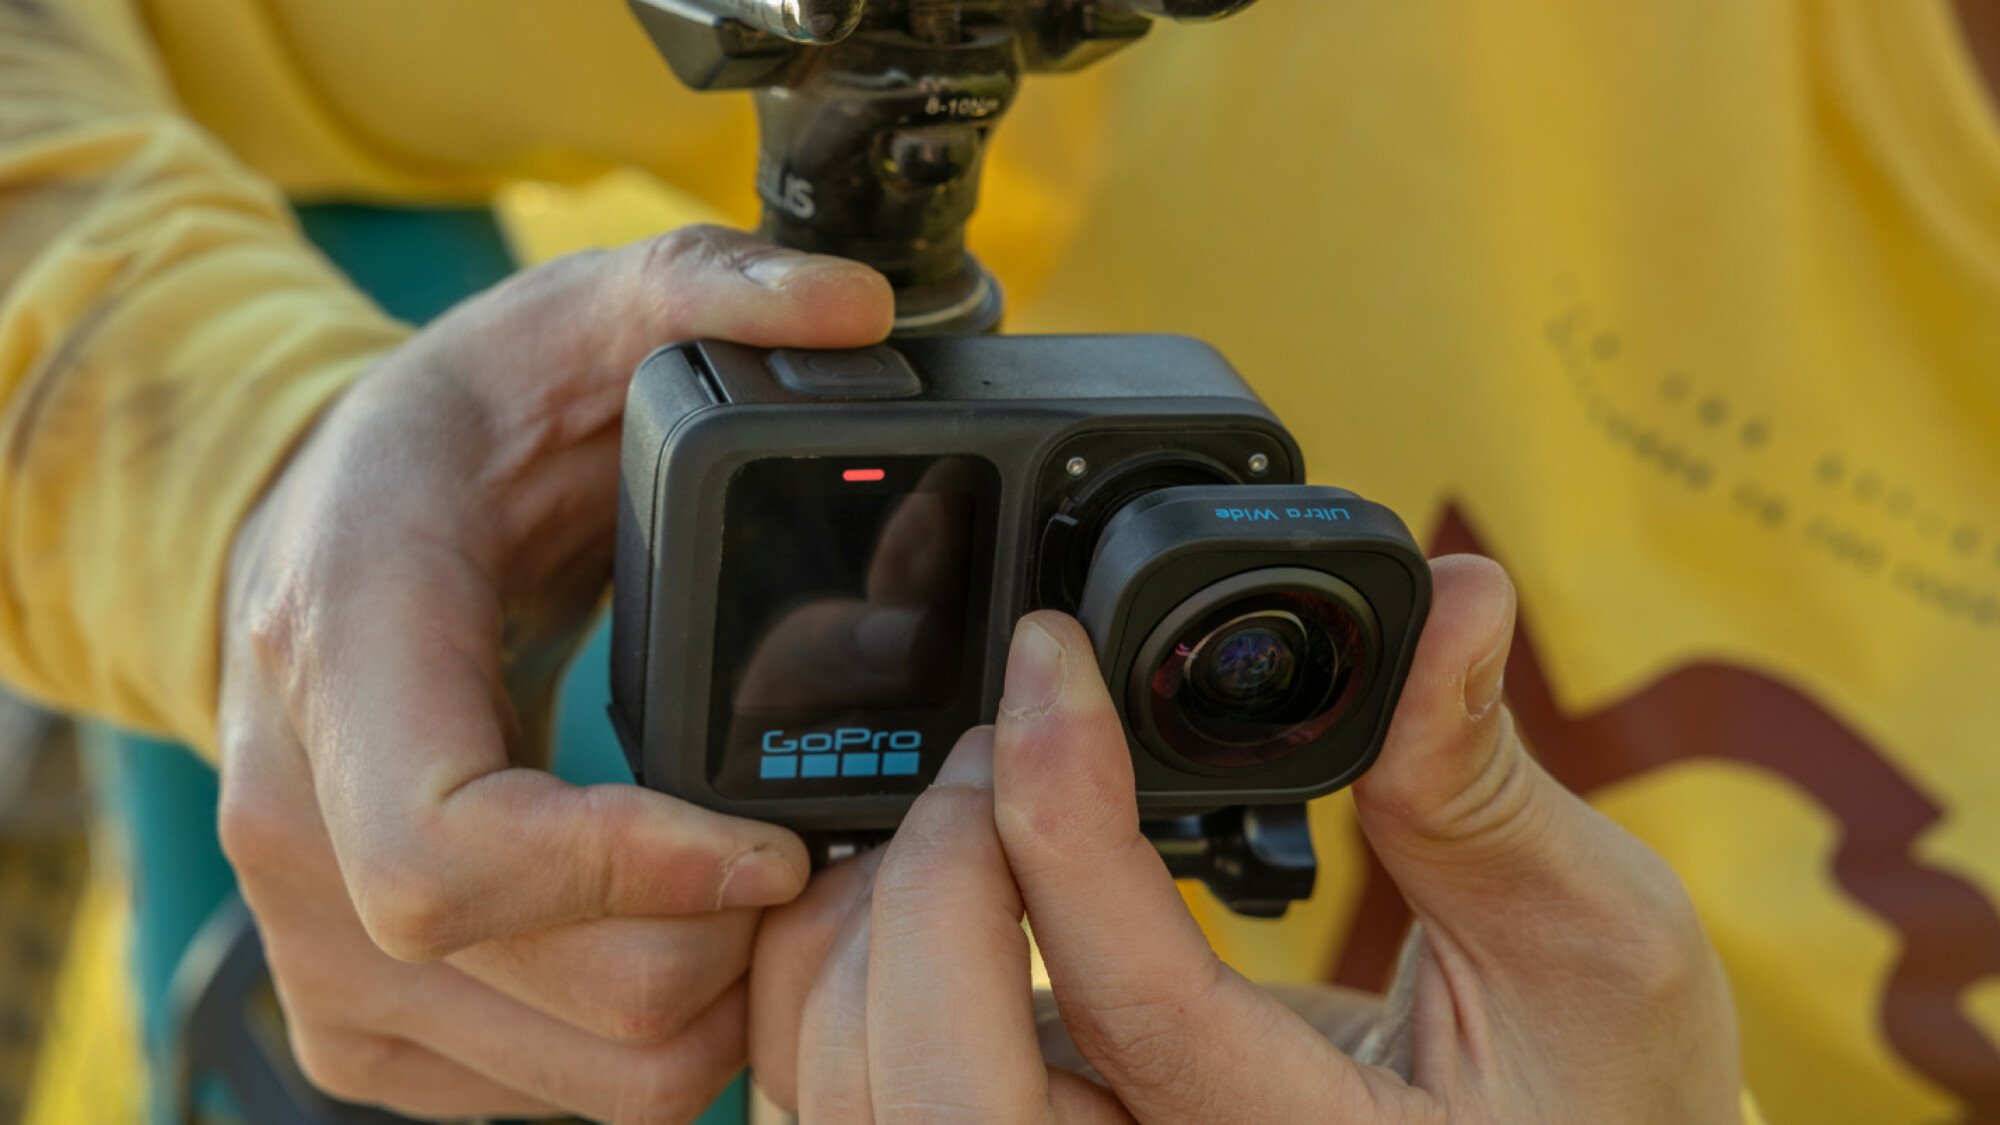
<point>842,752</point>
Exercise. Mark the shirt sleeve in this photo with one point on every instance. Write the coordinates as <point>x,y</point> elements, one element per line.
<point>166,334</point>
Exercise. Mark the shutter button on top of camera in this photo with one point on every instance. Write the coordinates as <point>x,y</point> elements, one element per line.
<point>877,372</point>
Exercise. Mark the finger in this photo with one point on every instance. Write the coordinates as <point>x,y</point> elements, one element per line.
<point>1076,1092</point>
<point>793,943</point>
<point>714,281</point>
<point>398,1075</point>
<point>491,1035</point>
<point>1345,1017</point>
<point>329,974</point>
<point>1495,856</point>
<point>950,1016</point>
<point>832,1060</point>
<point>1174,1031</point>
<point>599,313</point>
<point>441,844</point>
<point>276,856</point>
<point>630,980</point>
<point>401,698</point>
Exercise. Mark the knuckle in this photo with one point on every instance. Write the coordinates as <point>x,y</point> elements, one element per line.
<point>927,854</point>
<point>1637,948</point>
<point>657,1096</point>
<point>1138,1031</point>
<point>649,1010</point>
<point>272,626</point>
<point>343,1065</point>
<point>678,249</point>
<point>1662,952</point>
<point>1143,1051</point>
<point>255,833</point>
<point>617,822</point>
<point>318,983</point>
<point>273,609</point>
<point>637,1025</point>
<point>305,989</point>
<point>1496,803</point>
<point>410,914</point>
<point>1096,808</point>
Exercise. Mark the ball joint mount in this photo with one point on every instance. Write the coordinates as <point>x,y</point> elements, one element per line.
<point>874,117</point>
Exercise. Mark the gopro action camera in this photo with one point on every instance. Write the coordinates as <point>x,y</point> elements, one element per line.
<point>822,555</point>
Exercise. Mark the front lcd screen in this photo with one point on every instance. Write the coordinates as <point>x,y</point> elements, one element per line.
<point>851,609</point>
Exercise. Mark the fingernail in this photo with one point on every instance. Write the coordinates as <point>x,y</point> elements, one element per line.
<point>884,636</point>
<point>1486,681</point>
<point>758,877</point>
<point>774,269</point>
<point>970,762</point>
<point>1034,673</point>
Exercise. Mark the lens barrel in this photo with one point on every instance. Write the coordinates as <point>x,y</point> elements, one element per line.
<point>1253,668</point>
<point>1253,636</point>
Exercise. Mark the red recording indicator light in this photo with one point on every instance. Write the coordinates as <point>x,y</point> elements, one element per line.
<point>863,474</point>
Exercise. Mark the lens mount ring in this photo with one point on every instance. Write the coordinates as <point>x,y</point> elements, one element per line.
<point>1164,704</point>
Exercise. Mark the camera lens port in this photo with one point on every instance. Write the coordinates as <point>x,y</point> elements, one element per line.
<point>1072,533</point>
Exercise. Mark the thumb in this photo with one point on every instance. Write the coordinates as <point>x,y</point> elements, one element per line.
<point>1174,1031</point>
<point>717,282</point>
<point>1492,853</point>
<point>597,313</point>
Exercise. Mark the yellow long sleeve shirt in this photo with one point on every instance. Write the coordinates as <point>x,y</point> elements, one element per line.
<point>1689,312</point>
<point>164,335</point>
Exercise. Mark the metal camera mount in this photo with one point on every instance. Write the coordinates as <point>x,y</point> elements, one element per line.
<point>875,116</point>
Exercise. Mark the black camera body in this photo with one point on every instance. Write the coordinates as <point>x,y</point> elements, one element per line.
<point>822,555</point>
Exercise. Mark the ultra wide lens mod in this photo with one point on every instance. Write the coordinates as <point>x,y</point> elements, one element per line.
<point>1254,637</point>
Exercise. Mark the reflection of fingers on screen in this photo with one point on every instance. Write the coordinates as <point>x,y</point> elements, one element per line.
<point>920,556</point>
<point>923,550</point>
<point>885,637</point>
<point>836,653</point>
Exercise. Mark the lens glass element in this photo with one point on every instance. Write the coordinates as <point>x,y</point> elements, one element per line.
<point>1247,665</point>
<point>1255,675</point>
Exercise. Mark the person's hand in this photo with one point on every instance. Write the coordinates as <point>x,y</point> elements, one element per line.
<point>452,931</point>
<point>1561,974</point>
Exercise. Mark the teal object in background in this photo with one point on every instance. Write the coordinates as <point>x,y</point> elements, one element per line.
<point>163,799</point>
<point>416,264</point>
